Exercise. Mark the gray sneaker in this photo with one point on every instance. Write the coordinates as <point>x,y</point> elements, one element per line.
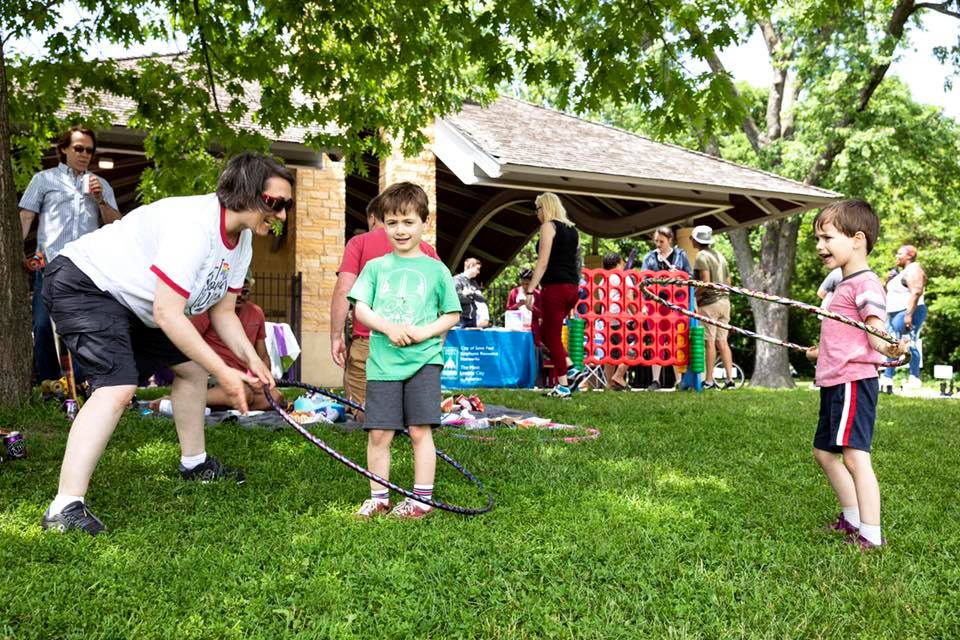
<point>212,469</point>
<point>74,516</point>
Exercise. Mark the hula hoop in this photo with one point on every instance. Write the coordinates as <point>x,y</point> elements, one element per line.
<point>592,433</point>
<point>766,297</point>
<point>339,457</point>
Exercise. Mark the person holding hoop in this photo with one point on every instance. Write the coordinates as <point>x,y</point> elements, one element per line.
<point>847,359</point>
<point>120,297</point>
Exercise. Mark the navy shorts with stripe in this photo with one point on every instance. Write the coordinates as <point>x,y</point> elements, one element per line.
<point>848,412</point>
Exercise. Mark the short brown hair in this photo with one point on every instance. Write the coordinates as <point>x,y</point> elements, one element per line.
<point>64,140</point>
<point>666,232</point>
<point>373,206</point>
<point>470,261</point>
<point>242,182</point>
<point>402,197</point>
<point>849,217</point>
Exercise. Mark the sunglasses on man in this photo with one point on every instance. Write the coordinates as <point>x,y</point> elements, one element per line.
<point>79,148</point>
<point>277,204</point>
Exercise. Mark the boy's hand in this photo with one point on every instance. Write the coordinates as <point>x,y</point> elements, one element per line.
<point>897,350</point>
<point>813,353</point>
<point>418,334</point>
<point>398,334</point>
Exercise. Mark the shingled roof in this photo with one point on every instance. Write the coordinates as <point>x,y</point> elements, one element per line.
<point>516,134</point>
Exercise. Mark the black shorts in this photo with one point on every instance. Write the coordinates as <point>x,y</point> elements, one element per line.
<point>395,404</point>
<point>109,342</point>
<point>848,412</point>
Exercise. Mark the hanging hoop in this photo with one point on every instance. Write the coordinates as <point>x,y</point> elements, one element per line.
<point>766,297</point>
<point>339,457</point>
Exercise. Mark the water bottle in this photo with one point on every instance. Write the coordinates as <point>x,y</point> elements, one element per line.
<point>16,445</point>
<point>71,407</point>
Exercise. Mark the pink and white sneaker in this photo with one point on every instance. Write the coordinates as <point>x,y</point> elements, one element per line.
<point>410,510</point>
<point>841,525</point>
<point>371,508</point>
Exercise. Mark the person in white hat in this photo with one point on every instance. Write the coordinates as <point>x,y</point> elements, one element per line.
<point>711,266</point>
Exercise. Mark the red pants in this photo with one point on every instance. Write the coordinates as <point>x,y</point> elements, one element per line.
<point>556,301</point>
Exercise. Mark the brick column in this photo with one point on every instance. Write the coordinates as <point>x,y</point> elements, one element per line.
<point>321,211</point>
<point>422,170</point>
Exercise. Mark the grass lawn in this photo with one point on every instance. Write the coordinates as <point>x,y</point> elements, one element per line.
<point>690,517</point>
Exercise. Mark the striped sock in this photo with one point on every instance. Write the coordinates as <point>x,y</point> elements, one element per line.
<point>424,492</point>
<point>381,495</point>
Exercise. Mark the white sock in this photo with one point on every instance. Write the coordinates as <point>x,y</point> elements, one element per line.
<point>166,407</point>
<point>383,496</point>
<point>190,462</point>
<point>871,532</point>
<point>852,515</point>
<point>423,491</point>
<point>60,502</point>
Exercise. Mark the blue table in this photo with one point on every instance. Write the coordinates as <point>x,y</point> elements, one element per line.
<point>488,358</point>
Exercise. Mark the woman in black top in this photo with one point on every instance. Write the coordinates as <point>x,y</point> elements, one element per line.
<point>558,271</point>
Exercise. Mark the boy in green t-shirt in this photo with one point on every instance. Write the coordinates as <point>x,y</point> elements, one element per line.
<point>408,300</point>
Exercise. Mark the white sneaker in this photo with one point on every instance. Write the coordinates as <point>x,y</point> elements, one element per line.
<point>913,382</point>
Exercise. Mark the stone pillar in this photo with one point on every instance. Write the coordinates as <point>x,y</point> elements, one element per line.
<point>321,211</point>
<point>682,237</point>
<point>422,170</point>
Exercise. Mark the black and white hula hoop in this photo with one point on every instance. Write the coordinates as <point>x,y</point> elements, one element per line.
<point>339,457</point>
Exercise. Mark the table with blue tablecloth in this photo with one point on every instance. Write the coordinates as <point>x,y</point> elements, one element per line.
<point>491,358</point>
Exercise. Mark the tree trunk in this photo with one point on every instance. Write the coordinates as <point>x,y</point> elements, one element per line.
<point>16,343</point>
<point>773,274</point>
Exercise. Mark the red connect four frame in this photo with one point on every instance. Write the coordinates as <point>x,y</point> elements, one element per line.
<point>626,328</point>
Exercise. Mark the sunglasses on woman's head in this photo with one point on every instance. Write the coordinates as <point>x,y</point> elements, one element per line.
<point>277,204</point>
<point>79,148</point>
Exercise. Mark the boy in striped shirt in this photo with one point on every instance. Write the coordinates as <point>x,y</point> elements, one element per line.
<point>847,359</point>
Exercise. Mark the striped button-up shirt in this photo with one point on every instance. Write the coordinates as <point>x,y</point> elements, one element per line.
<point>65,212</point>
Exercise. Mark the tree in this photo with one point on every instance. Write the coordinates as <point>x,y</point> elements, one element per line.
<point>829,59</point>
<point>345,71</point>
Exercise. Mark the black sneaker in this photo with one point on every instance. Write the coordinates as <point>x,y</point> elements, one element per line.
<point>709,385</point>
<point>212,469</point>
<point>74,516</point>
<point>654,386</point>
<point>729,384</point>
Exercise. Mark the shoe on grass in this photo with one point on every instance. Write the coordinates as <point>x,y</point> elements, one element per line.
<point>653,386</point>
<point>559,391</point>
<point>709,385</point>
<point>841,525</point>
<point>864,544</point>
<point>74,516</point>
<point>410,509</point>
<point>372,507</point>
<point>212,469</point>
<point>729,384</point>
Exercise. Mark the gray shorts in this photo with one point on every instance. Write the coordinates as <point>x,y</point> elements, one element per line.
<point>395,404</point>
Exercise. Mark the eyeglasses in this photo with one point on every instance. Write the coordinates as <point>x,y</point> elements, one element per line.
<point>79,148</point>
<point>277,204</point>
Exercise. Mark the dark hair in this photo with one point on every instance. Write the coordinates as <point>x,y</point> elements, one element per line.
<point>470,261</point>
<point>611,260</point>
<point>401,197</point>
<point>65,138</point>
<point>849,217</point>
<point>373,205</point>
<point>526,274</point>
<point>242,182</point>
<point>666,232</point>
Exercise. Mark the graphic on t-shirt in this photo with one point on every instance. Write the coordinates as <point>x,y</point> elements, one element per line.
<point>214,288</point>
<point>401,296</point>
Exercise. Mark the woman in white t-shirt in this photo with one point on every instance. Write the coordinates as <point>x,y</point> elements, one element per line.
<point>120,298</point>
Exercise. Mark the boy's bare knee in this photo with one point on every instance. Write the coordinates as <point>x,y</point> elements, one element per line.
<point>420,435</point>
<point>379,438</point>
<point>856,461</point>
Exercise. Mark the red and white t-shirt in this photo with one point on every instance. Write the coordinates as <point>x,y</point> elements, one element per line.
<point>182,241</point>
<point>845,351</point>
<point>362,249</point>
